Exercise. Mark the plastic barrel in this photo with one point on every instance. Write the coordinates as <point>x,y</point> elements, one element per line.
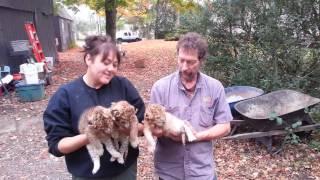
<point>30,92</point>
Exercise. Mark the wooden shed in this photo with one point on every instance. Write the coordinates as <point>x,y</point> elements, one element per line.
<point>14,13</point>
<point>63,29</point>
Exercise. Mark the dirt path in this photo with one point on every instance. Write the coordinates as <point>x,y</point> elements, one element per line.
<point>23,149</point>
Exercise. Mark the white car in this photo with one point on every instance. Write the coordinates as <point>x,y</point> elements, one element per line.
<point>127,36</point>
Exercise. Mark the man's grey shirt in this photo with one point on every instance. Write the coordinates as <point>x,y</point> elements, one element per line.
<point>206,108</point>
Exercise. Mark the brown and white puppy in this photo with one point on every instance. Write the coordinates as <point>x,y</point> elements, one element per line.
<point>125,120</point>
<point>98,124</point>
<point>156,117</point>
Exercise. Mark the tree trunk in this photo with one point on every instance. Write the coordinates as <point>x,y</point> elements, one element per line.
<point>111,15</point>
<point>177,24</point>
<point>157,21</point>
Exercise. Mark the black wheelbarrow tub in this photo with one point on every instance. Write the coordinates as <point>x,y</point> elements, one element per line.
<point>279,103</point>
<point>235,94</point>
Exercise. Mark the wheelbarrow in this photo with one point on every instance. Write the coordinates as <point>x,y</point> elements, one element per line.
<point>257,113</point>
<point>235,94</point>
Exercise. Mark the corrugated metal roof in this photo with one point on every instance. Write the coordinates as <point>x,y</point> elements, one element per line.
<point>62,12</point>
<point>44,6</point>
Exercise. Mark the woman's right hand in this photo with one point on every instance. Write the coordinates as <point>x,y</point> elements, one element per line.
<point>70,144</point>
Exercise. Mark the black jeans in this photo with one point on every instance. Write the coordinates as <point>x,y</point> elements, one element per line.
<point>215,178</point>
<point>129,174</point>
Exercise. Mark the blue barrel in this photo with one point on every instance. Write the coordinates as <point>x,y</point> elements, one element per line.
<point>30,92</point>
<point>235,94</point>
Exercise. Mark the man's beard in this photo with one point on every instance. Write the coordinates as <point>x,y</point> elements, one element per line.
<point>189,76</point>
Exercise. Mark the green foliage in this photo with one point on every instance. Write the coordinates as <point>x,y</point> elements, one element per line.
<point>197,20</point>
<point>292,138</point>
<point>291,67</point>
<point>269,44</point>
<point>220,67</point>
<point>296,124</point>
<point>167,17</point>
<point>274,116</point>
<point>56,5</point>
<point>314,112</point>
<point>315,145</point>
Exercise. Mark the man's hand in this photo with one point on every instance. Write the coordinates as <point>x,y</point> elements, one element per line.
<point>157,132</point>
<point>175,137</point>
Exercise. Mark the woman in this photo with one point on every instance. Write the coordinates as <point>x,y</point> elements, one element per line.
<point>99,86</point>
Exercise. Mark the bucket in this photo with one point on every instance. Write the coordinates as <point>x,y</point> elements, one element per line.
<point>39,66</point>
<point>31,78</point>
<point>30,72</point>
<point>30,92</point>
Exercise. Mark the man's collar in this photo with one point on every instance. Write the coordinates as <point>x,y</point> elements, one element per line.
<point>199,83</point>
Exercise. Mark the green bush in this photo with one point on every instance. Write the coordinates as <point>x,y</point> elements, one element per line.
<point>220,67</point>
<point>315,113</point>
<point>175,34</point>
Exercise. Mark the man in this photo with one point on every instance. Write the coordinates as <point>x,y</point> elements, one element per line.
<point>197,99</point>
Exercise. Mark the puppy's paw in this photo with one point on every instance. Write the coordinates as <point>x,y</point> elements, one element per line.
<point>95,169</point>
<point>112,159</point>
<point>116,155</point>
<point>96,165</point>
<point>151,148</point>
<point>135,143</point>
<point>120,160</point>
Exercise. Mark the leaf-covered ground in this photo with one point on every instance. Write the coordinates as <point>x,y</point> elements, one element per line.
<point>23,149</point>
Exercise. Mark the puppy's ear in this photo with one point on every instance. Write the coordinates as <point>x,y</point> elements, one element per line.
<point>115,113</point>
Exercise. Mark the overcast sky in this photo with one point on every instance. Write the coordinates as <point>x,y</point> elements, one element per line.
<point>84,14</point>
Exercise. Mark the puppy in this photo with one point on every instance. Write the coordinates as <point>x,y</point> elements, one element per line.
<point>98,124</point>
<point>156,117</point>
<point>125,119</point>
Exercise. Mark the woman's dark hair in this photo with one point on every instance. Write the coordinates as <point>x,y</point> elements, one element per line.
<point>95,45</point>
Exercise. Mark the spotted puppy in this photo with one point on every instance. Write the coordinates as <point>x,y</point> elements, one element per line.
<point>157,118</point>
<point>98,124</point>
<point>125,127</point>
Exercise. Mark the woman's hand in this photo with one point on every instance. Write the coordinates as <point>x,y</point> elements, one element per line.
<point>124,130</point>
<point>70,144</point>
